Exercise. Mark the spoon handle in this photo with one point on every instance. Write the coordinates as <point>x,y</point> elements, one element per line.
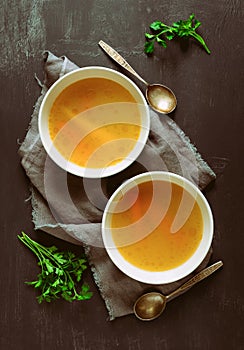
<point>119,59</point>
<point>197,278</point>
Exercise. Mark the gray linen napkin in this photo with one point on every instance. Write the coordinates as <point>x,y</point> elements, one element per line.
<point>71,208</point>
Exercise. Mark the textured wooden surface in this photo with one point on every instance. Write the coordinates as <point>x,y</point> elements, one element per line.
<point>210,104</point>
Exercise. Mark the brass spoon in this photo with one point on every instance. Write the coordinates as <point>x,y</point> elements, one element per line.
<point>160,97</point>
<point>151,305</point>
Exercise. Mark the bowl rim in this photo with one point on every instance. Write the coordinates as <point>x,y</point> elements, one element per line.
<point>73,168</point>
<point>181,271</point>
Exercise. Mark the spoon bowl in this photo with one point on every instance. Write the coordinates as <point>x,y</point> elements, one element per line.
<point>151,305</point>
<point>160,97</point>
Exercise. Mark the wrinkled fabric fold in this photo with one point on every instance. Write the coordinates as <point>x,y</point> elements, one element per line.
<point>63,207</point>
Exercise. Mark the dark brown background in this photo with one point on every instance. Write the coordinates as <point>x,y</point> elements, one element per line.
<point>210,102</point>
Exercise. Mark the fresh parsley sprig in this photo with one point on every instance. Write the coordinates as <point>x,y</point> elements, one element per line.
<point>163,32</point>
<point>60,273</point>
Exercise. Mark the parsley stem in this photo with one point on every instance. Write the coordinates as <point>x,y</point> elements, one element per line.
<point>164,31</point>
<point>28,242</point>
<point>73,287</point>
<point>200,40</point>
<point>41,249</point>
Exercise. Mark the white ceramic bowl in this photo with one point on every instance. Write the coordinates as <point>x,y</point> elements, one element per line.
<point>166,276</point>
<point>64,82</point>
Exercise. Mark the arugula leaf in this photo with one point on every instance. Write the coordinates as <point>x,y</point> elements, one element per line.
<point>60,273</point>
<point>161,32</point>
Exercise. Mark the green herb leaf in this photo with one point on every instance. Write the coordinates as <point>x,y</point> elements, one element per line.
<point>169,35</point>
<point>149,36</point>
<point>157,25</point>
<point>162,32</point>
<point>60,273</point>
<point>197,24</point>
<point>161,42</point>
<point>149,46</point>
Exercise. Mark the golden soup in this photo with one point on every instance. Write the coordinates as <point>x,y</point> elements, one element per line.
<point>156,226</point>
<point>95,122</point>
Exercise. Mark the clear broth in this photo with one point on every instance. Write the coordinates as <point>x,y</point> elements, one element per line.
<point>95,123</point>
<point>142,225</point>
